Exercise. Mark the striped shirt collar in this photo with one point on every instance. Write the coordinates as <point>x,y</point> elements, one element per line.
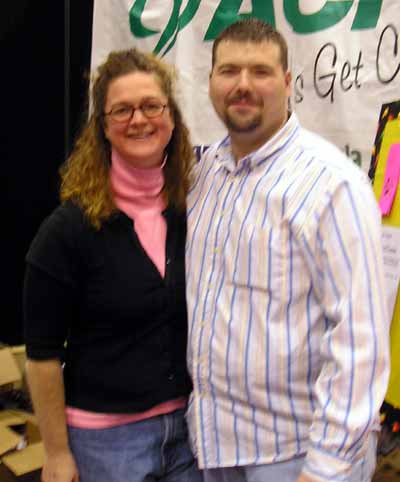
<point>224,157</point>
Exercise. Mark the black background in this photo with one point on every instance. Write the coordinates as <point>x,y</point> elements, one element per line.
<point>45,51</point>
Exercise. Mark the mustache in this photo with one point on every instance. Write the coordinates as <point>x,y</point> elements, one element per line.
<point>243,96</point>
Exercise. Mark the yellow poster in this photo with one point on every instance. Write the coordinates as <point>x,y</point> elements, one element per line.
<point>388,134</point>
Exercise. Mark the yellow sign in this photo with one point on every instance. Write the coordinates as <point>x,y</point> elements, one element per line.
<point>390,136</point>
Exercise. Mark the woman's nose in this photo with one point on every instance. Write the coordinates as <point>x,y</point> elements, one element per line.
<point>137,116</point>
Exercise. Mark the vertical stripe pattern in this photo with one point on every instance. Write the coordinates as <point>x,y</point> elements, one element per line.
<point>288,333</point>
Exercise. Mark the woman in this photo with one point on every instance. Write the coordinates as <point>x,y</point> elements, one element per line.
<point>104,289</point>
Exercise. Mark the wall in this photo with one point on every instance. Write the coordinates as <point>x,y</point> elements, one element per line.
<point>36,130</point>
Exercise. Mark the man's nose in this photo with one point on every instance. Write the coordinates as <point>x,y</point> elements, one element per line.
<point>244,80</point>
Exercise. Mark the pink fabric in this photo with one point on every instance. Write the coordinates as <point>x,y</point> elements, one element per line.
<point>391,180</point>
<point>137,192</point>
<point>91,420</point>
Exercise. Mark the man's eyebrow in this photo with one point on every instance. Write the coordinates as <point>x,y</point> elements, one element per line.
<point>229,66</point>
<point>257,65</point>
<point>260,65</point>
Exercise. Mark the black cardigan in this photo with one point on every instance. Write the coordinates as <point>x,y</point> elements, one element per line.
<point>124,325</point>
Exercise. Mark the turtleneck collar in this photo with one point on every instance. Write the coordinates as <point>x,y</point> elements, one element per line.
<point>134,186</point>
<point>138,193</point>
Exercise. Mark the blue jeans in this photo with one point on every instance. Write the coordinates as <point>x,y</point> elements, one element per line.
<point>151,450</point>
<point>290,470</point>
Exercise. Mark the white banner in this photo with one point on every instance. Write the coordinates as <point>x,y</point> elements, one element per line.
<point>344,57</point>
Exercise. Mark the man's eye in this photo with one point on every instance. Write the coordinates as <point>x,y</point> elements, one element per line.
<point>261,72</point>
<point>227,71</point>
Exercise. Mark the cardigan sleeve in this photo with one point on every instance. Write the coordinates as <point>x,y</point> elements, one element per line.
<point>51,285</point>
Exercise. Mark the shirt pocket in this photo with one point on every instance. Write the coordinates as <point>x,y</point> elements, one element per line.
<point>255,258</point>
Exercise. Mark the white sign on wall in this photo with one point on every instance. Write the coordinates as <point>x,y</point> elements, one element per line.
<point>344,57</point>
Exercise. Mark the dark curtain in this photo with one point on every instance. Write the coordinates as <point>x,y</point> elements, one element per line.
<point>45,48</point>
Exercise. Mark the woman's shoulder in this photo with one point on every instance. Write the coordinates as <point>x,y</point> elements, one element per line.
<point>61,230</point>
<point>67,218</point>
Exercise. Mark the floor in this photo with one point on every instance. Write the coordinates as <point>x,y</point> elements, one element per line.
<point>388,468</point>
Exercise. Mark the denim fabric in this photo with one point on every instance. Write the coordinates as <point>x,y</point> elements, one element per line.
<point>151,450</point>
<point>290,470</point>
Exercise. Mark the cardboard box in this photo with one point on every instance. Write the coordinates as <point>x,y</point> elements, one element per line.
<point>10,374</point>
<point>9,440</point>
<point>26,460</point>
<point>21,448</point>
<point>19,354</point>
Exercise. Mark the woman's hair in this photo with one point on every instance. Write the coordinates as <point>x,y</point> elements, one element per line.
<point>85,174</point>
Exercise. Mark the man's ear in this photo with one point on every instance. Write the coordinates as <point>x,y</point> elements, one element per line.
<point>288,82</point>
<point>288,78</point>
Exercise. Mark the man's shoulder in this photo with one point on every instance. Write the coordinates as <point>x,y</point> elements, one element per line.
<point>327,157</point>
<point>320,175</point>
<point>209,151</point>
<point>205,155</point>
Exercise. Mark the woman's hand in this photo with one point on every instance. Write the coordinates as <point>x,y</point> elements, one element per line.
<point>60,468</point>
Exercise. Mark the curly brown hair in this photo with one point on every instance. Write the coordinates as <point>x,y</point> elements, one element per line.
<point>85,174</point>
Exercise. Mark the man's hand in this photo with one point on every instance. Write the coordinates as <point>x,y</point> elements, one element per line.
<point>60,468</point>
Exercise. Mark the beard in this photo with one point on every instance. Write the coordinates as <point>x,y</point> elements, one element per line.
<point>237,123</point>
<point>242,126</point>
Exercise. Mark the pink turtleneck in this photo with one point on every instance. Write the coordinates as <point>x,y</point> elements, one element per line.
<point>137,192</point>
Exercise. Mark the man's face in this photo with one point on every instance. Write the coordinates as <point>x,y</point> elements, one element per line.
<point>249,89</point>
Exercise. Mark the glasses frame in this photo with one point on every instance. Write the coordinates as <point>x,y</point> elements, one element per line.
<point>133,110</point>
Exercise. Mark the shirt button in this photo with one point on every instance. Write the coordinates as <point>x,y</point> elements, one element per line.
<point>171,376</point>
<point>168,261</point>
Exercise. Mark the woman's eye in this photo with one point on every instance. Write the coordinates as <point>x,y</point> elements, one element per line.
<point>122,110</point>
<point>151,107</point>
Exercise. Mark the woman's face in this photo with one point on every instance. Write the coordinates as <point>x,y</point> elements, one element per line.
<point>138,139</point>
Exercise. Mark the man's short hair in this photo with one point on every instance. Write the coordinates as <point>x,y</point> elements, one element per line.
<point>256,31</point>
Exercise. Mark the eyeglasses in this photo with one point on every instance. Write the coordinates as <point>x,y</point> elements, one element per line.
<point>124,113</point>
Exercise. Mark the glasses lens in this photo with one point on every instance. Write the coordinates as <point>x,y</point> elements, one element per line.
<point>152,109</point>
<point>122,113</point>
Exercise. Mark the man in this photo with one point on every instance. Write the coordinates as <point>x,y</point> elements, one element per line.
<point>288,331</point>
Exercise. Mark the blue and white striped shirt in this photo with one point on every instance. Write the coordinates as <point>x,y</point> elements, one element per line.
<point>288,330</point>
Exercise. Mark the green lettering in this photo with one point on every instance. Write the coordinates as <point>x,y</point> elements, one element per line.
<point>135,20</point>
<point>330,14</point>
<point>227,13</point>
<point>367,14</point>
<point>176,23</point>
<point>171,29</point>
